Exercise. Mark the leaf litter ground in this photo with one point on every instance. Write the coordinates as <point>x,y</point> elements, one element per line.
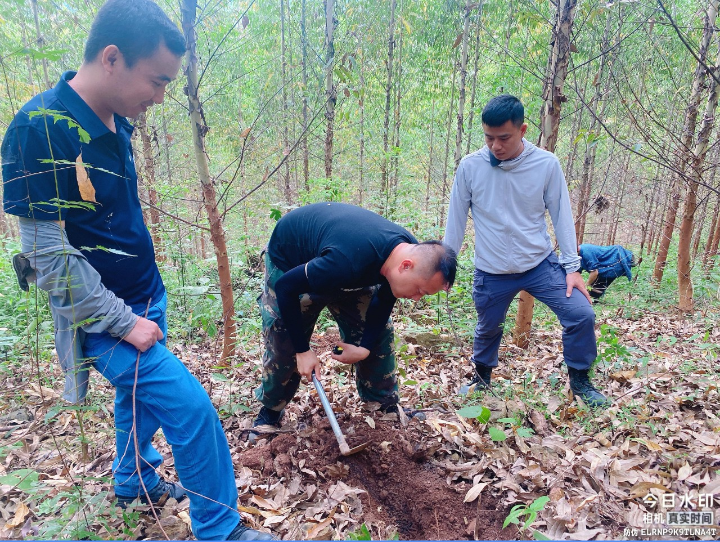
<point>441,478</point>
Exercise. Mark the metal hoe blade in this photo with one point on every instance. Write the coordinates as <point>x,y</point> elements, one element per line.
<point>344,448</point>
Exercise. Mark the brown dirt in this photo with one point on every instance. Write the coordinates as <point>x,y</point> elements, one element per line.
<point>402,486</point>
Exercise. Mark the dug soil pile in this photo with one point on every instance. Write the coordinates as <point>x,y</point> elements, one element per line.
<point>397,481</point>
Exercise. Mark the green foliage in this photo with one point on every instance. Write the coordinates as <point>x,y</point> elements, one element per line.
<point>361,533</point>
<point>479,412</point>
<point>58,116</point>
<point>526,514</point>
<point>610,347</point>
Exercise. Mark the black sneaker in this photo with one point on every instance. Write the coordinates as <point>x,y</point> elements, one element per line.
<point>173,490</point>
<point>409,412</point>
<point>265,417</point>
<point>242,532</point>
<point>480,380</point>
<point>582,387</point>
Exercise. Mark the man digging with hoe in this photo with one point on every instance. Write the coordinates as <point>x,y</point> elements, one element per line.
<point>357,264</point>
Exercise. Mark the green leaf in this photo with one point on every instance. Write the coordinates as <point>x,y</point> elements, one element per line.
<point>537,535</point>
<point>219,377</point>
<point>58,115</point>
<point>525,432</point>
<point>539,503</point>
<point>481,413</point>
<point>111,250</point>
<point>497,435</point>
<point>275,214</point>
<point>409,382</point>
<point>23,479</point>
<point>511,421</point>
<point>39,54</point>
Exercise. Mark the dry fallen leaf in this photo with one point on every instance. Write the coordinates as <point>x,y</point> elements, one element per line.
<point>20,513</point>
<point>475,491</point>
<point>87,190</point>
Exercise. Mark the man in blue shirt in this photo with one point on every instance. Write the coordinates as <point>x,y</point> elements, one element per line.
<point>69,176</point>
<point>509,185</point>
<point>605,264</point>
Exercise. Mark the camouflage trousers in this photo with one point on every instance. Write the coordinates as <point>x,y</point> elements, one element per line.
<point>375,375</point>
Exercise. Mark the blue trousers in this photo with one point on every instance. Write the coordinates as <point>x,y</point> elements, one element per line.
<point>167,397</point>
<point>493,294</point>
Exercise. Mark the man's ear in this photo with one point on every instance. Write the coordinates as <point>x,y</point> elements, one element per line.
<point>523,129</point>
<point>406,265</point>
<point>109,57</point>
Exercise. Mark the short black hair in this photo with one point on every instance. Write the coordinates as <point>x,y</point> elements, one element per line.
<point>443,259</point>
<point>136,27</point>
<point>503,108</point>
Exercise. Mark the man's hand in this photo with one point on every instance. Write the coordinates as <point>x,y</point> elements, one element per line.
<point>307,363</point>
<point>351,353</point>
<point>144,334</point>
<point>574,280</point>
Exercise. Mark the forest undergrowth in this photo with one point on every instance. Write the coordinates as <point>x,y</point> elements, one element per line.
<point>524,454</point>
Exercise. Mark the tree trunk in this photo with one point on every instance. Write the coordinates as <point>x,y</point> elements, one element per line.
<point>304,143</point>
<point>473,92</point>
<point>396,128</point>
<point>386,119</point>
<point>443,196</point>
<point>361,187</point>
<point>650,206</point>
<point>285,109</point>
<point>711,249</point>
<point>713,240</point>
<point>685,286</point>
<point>428,180</point>
<point>461,86</point>
<point>553,99</point>
<point>149,169</point>
<point>199,129</point>
<point>622,190</point>
<point>583,204</point>
<point>686,139</point>
<point>330,89</point>
<point>40,42</point>
<point>700,227</point>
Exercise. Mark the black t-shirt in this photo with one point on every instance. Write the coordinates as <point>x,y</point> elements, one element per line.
<point>344,246</point>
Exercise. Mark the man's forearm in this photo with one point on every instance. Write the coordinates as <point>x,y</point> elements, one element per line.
<point>73,285</point>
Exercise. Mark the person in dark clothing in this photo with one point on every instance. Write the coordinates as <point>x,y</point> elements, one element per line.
<point>357,264</point>
<point>605,264</point>
<point>85,243</point>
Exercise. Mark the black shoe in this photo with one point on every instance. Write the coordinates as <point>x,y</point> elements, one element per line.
<point>409,412</point>
<point>481,380</point>
<point>242,532</point>
<point>265,417</point>
<point>173,490</point>
<point>582,387</point>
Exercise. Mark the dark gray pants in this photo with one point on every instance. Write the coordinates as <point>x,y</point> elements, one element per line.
<point>493,294</point>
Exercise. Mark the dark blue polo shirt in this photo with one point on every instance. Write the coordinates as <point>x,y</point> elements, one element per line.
<point>39,152</point>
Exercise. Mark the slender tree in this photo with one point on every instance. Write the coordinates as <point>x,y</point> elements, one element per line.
<point>330,88</point>
<point>684,152</point>
<point>553,98</point>
<point>461,86</point>
<point>148,161</point>
<point>199,130</point>
<point>685,285</point>
<point>285,108</point>
<point>388,97</point>
<point>304,142</point>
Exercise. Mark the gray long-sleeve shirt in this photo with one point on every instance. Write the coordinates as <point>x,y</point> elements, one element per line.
<point>79,302</point>
<point>508,205</point>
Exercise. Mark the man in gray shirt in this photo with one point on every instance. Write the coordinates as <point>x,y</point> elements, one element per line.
<point>509,184</point>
